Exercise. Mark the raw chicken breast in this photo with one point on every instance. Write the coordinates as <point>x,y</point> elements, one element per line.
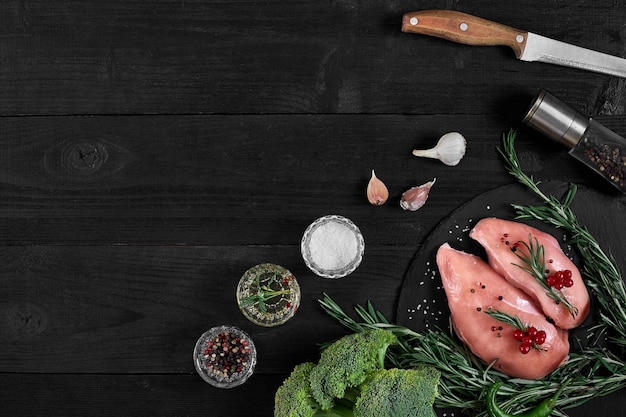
<point>472,288</point>
<point>498,236</point>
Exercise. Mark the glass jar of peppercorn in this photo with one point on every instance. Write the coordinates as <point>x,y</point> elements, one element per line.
<point>601,149</point>
<point>268,294</point>
<point>225,356</point>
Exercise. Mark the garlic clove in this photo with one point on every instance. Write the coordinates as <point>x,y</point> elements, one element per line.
<point>377,192</point>
<point>450,149</point>
<point>414,198</point>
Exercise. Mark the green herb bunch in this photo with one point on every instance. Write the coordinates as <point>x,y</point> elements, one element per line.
<point>264,291</point>
<point>591,372</point>
<point>600,270</point>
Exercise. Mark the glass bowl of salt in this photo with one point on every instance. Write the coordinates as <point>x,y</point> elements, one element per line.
<point>332,246</point>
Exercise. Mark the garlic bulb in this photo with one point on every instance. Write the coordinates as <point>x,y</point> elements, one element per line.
<point>450,149</point>
<point>414,198</point>
<point>377,192</point>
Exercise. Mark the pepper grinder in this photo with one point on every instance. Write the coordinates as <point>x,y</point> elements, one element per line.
<point>598,147</point>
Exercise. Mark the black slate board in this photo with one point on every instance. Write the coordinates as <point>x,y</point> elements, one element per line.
<point>422,303</point>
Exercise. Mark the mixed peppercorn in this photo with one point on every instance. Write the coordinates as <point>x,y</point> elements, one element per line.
<point>609,160</point>
<point>226,354</point>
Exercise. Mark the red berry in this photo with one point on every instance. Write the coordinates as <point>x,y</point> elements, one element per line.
<point>558,285</point>
<point>559,275</point>
<point>540,337</point>
<point>568,282</point>
<point>527,340</point>
<point>532,331</point>
<point>567,274</point>
<point>518,334</point>
<point>525,348</point>
<point>551,280</point>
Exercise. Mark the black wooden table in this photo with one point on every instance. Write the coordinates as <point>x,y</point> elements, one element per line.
<point>152,151</point>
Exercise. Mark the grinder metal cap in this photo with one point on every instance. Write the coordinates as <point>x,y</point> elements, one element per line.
<point>556,119</point>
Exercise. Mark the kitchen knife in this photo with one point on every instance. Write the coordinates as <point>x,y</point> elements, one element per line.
<point>471,30</point>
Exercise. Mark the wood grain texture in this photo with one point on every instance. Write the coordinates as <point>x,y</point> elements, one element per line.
<point>243,179</point>
<point>152,151</point>
<point>133,395</point>
<point>464,28</point>
<point>160,395</point>
<point>120,309</point>
<point>198,57</point>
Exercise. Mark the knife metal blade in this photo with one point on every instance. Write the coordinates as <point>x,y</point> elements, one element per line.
<point>471,30</point>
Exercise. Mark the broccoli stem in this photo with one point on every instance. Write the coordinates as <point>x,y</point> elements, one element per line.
<point>350,396</point>
<point>342,408</point>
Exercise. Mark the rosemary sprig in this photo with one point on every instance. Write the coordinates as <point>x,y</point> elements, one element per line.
<point>264,292</point>
<point>513,321</point>
<point>600,270</point>
<point>516,323</point>
<point>464,378</point>
<point>592,372</point>
<point>535,265</point>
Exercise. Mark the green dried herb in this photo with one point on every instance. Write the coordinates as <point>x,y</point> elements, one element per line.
<point>264,291</point>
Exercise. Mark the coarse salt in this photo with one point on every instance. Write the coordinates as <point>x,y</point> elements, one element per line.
<point>333,246</point>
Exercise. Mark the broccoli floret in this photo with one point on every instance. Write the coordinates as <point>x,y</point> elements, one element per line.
<point>350,381</point>
<point>294,399</point>
<point>346,362</point>
<point>398,392</point>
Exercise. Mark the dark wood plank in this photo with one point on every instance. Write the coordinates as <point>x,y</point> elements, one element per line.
<point>151,151</point>
<point>245,179</point>
<point>119,309</point>
<point>134,395</point>
<point>169,395</point>
<point>198,57</point>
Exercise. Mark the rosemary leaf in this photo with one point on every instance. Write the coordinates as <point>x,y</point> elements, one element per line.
<point>513,321</point>
<point>535,266</point>
<point>599,269</point>
<point>592,372</point>
<point>464,378</point>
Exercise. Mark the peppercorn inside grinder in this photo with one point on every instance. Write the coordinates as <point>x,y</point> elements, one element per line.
<point>225,356</point>
<point>598,147</point>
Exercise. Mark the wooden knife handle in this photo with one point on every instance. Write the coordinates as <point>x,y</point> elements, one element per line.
<point>464,28</point>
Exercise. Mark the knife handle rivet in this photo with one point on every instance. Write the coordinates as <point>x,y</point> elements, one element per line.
<point>463,26</point>
<point>414,21</point>
<point>519,38</point>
